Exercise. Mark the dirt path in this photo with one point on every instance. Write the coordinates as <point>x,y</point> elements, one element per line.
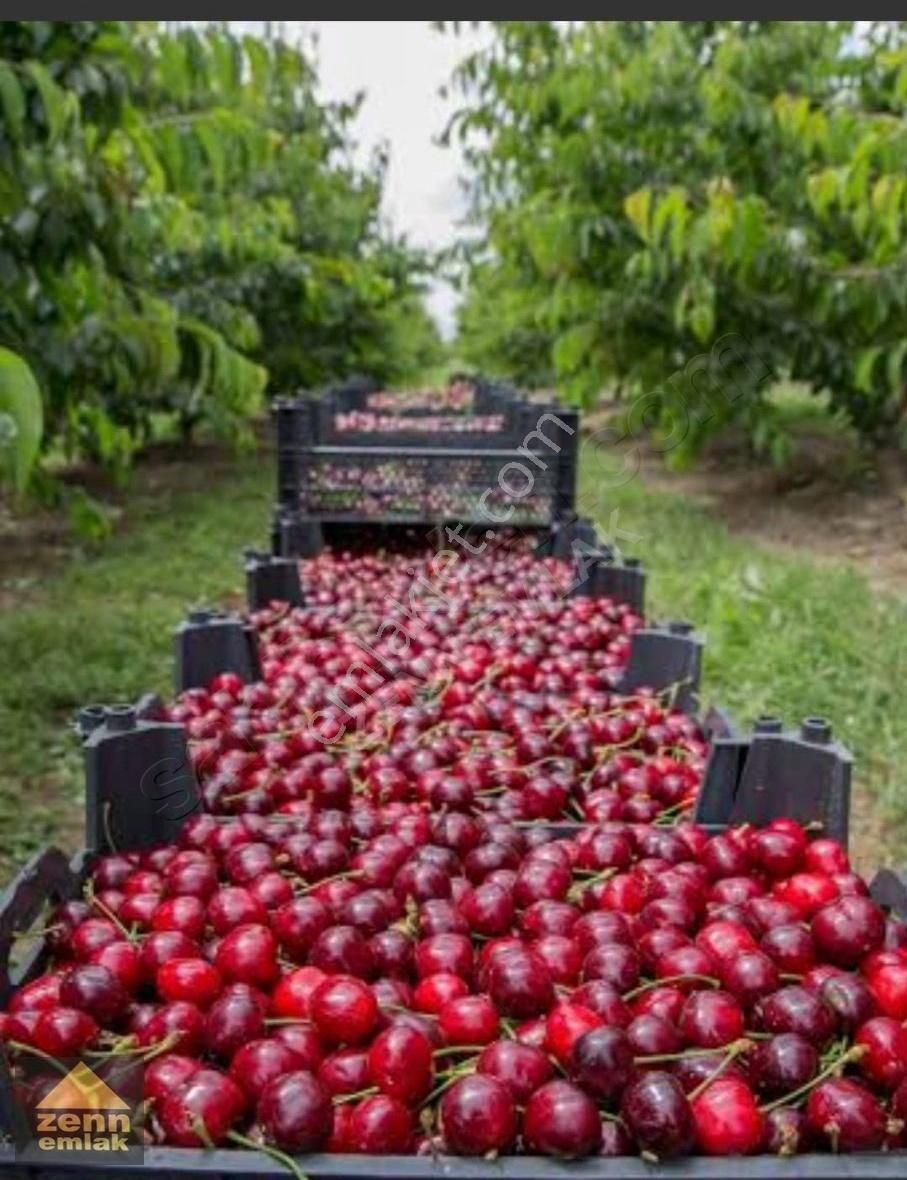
<point>818,505</point>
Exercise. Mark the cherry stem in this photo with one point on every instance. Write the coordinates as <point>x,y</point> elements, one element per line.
<point>108,913</point>
<point>340,1099</point>
<point>658,1058</point>
<point>732,1053</point>
<point>850,1055</point>
<point>448,1049</point>
<point>669,979</point>
<point>280,1157</point>
<point>21,1047</point>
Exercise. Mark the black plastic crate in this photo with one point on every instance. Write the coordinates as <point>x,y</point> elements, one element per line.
<point>524,477</point>
<point>50,878</point>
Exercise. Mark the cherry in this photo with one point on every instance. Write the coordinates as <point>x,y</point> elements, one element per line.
<point>345,1071</point>
<point>165,1074</point>
<point>343,1009</point>
<point>783,1064</point>
<point>295,1112</point>
<point>791,948</point>
<point>727,1118</point>
<point>522,1068</point>
<point>298,923</point>
<point>602,1062</point>
<point>884,1061</point>
<point>435,992</point>
<point>292,996</point>
<point>850,999</point>
<point>380,1126</point>
<point>400,1064</point>
<point>248,954</point>
<point>470,1020</point>
<point>565,1024</point>
<point>304,1043</point>
<point>657,1114</point>
<point>786,1131</point>
<point>847,930</point>
<point>96,990</point>
<point>478,1116</point>
<point>231,1021</point>
<point>202,1111</point>
<point>233,906</point>
<point>615,963</point>
<point>342,950</point>
<point>62,1031</point>
<point>749,976</point>
<point>605,1000</point>
<point>711,1019</point>
<point>846,1115</point>
<point>520,984</point>
<point>194,980</point>
<point>794,1009</point>
<point>561,1120</point>
<point>888,985</point>
<point>651,1036</point>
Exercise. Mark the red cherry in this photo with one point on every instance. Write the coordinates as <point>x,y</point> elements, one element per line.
<point>194,980</point>
<point>248,954</point>
<point>846,1115</point>
<point>292,995</point>
<point>295,1112</point>
<point>561,1120</point>
<point>380,1126</point>
<point>470,1020</point>
<point>401,1064</point>
<point>848,929</point>
<point>260,1062</point>
<point>727,1118</point>
<point>885,1059</point>
<point>343,1009</point>
<point>478,1116</point>
<point>564,1025</point>
<point>522,1068</point>
<point>202,1111</point>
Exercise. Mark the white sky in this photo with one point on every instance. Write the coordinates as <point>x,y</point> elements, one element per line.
<point>401,66</point>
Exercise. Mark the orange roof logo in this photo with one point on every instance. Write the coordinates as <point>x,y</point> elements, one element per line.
<point>82,1089</point>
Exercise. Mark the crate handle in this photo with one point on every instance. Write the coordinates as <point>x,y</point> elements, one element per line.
<point>46,877</point>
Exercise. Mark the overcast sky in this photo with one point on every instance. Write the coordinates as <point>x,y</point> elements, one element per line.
<point>401,66</point>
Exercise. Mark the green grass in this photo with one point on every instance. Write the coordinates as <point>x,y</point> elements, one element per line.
<point>785,633</point>
<point>98,629</point>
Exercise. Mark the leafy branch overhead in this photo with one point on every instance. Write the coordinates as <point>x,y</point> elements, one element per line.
<point>649,189</point>
<point>181,226</point>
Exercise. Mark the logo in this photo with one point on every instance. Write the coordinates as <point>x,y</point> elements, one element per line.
<point>93,1111</point>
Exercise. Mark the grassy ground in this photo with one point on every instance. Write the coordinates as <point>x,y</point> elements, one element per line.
<point>785,634</point>
<point>98,629</point>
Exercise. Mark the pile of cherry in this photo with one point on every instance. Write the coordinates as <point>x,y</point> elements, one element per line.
<point>389,981</point>
<point>473,686</point>
<point>376,940</point>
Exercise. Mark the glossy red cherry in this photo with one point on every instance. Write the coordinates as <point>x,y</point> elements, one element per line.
<point>727,1118</point>
<point>401,1064</point>
<point>602,1062</point>
<point>194,980</point>
<point>202,1111</point>
<point>295,1112</point>
<point>522,1068</point>
<point>846,1115</point>
<point>478,1116</point>
<point>845,931</point>
<point>343,1009</point>
<point>657,1114</point>
<point>380,1126</point>
<point>561,1120</point>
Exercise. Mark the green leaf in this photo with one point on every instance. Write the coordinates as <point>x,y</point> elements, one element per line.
<point>894,365</point>
<point>863,369</point>
<point>638,207</point>
<point>13,102</point>
<point>21,418</point>
<point>52,99</point>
